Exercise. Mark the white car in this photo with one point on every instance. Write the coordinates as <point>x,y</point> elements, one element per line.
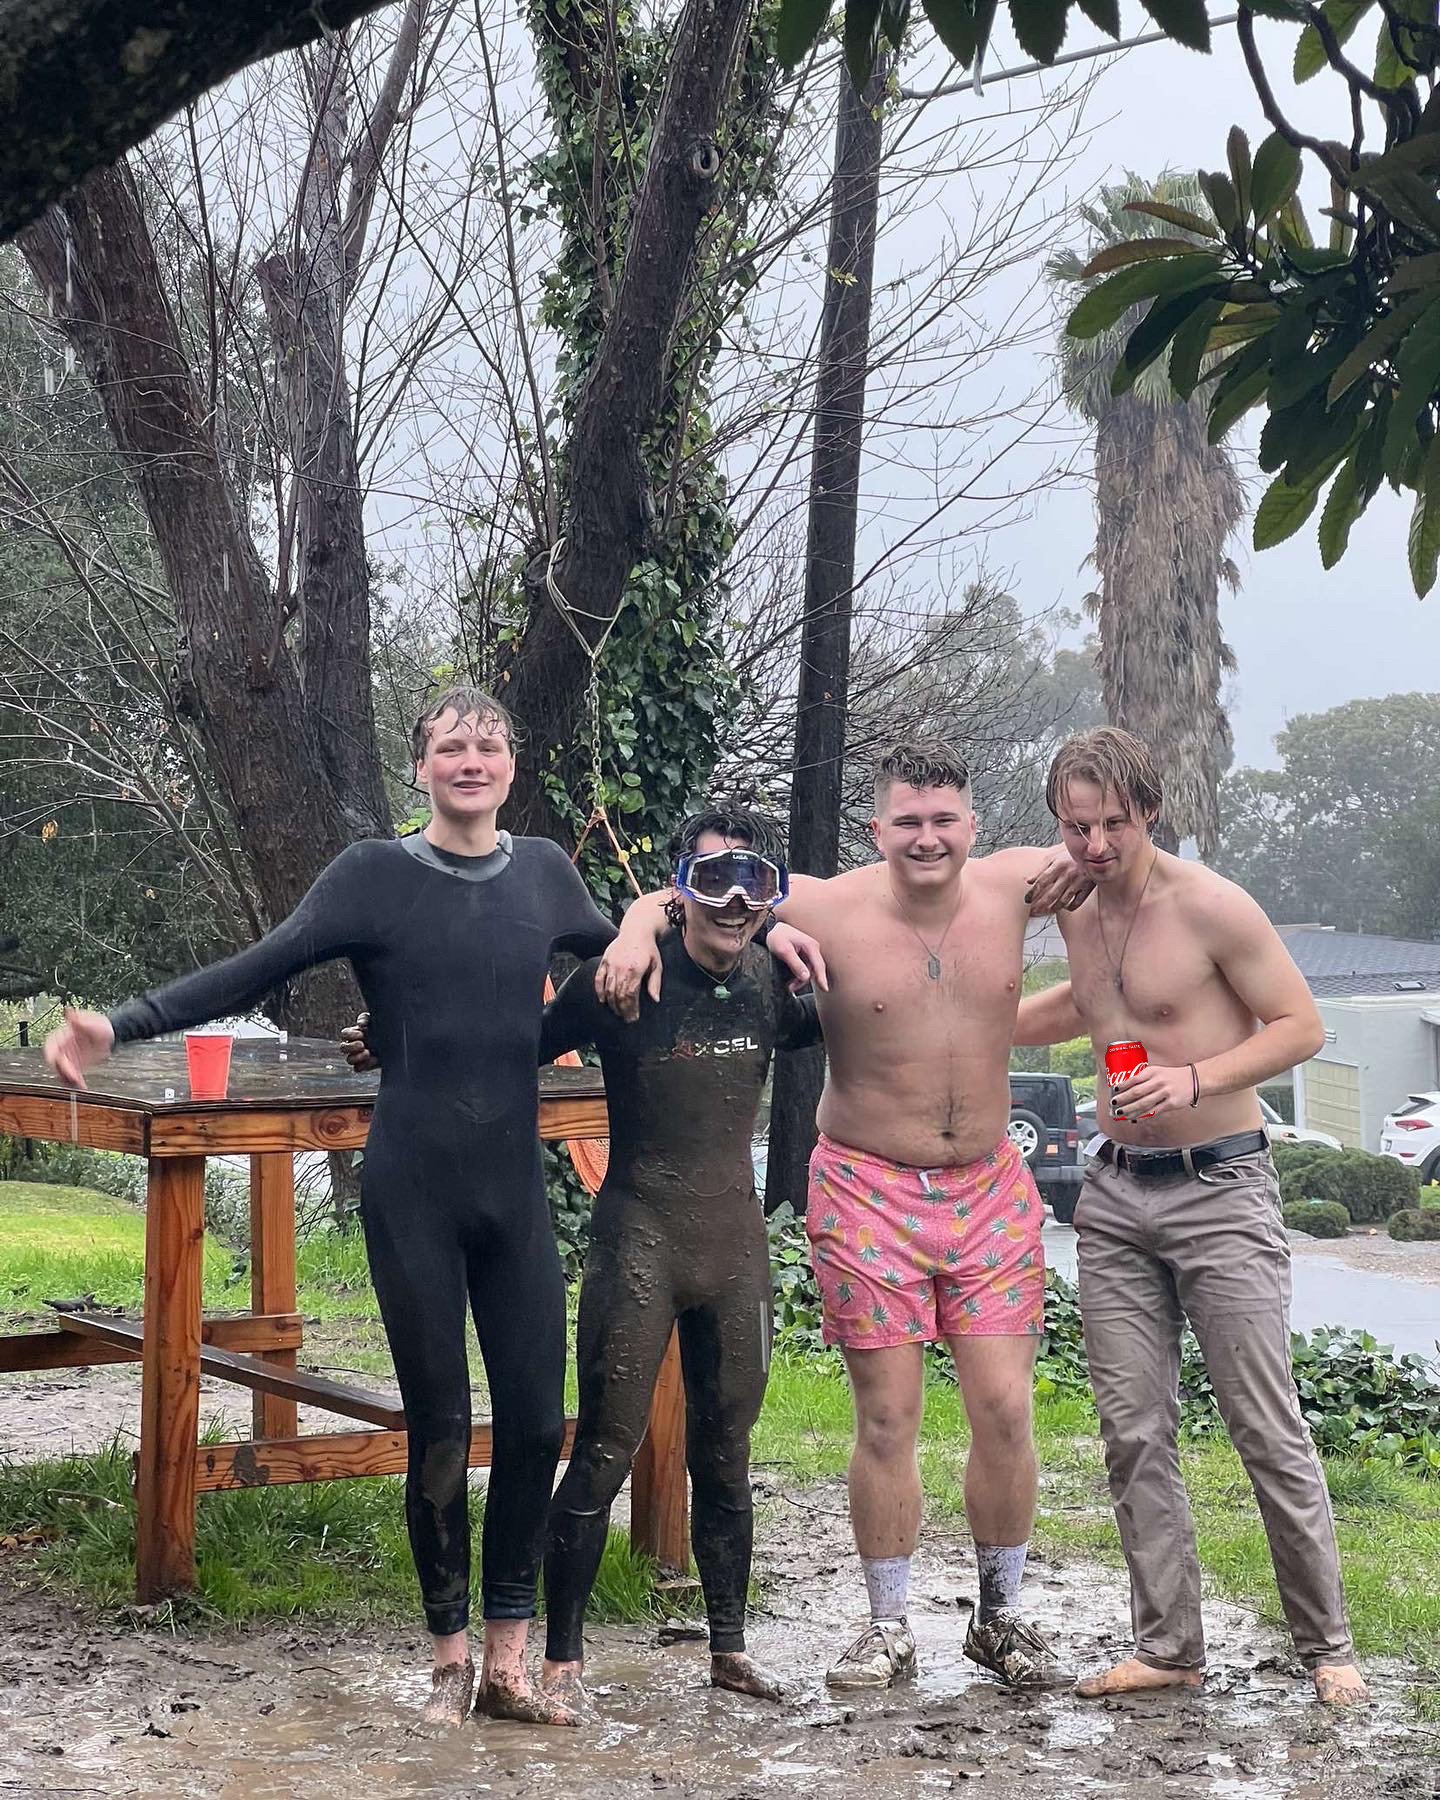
<point>1411,1134</point>
<point>1280,1132</point>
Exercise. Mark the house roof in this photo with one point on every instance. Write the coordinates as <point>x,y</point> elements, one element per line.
<point>1350,962</point>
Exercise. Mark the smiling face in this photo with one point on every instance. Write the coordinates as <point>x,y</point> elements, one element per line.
<point>715,935</point>
<point>1102,833</point>
<point>924,833</point>
<point>468,766</point>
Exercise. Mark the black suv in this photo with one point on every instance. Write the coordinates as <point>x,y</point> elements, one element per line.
<point>1044,1130</point>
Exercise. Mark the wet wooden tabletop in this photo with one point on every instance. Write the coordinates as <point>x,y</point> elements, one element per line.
<point>153,1078</point>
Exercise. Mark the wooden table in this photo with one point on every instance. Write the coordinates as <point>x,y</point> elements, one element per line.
<point>138,1102</point>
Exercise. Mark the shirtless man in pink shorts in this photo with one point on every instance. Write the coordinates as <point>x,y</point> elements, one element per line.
<point>924,1220</point>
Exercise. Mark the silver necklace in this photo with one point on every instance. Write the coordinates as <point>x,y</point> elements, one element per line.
<point>934,968</point>
<point>1117,971</point>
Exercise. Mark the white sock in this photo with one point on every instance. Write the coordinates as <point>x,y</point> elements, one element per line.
<point>887,1581</point>
<point>1002,1568</point>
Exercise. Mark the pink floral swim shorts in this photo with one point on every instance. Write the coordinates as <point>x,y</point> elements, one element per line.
<point>905,1255</point>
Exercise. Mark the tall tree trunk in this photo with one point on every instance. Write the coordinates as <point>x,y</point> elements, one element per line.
<point>86,80</point>
<point>607,509</point>
<point>235,676</point>
<point>815,791</point>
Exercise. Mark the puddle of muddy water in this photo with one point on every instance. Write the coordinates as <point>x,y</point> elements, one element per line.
<point>314,1714</point>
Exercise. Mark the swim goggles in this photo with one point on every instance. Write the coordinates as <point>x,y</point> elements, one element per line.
<point>715,877</point>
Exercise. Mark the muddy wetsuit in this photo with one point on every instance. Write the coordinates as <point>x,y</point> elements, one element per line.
<point>450,953</point>
<point>677,1235</point>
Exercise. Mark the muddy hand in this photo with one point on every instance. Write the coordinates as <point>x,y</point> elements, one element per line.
<point>624,970</point>
<point>355,1046</point>
<point>84,1039</point>
<point>1058,883</point>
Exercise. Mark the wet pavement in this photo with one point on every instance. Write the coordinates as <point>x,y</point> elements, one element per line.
<point>91,1707</point>
<point>1402,1313</point>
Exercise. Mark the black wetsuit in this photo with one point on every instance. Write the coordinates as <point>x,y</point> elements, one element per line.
<point>677,1235</point>
<point>451,954</point>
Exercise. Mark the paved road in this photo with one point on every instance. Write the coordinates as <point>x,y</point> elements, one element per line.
<point>1403,1314</point>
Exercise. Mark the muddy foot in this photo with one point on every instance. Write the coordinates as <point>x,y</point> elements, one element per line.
<point>1133,1677</point>
<point>566,1686</point>
<point>1341,1684</point>
<point>734,1670</point>
<point>525,1706</point>
<point>452,1686</point>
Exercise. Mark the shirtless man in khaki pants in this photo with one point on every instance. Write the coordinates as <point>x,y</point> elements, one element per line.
<point>924,1220</point>
<point>1179,1216</point>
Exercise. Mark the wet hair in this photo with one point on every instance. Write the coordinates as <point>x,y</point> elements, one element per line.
<point>1116,761</point>
<point>735,820</point>
<point>465,702</point>
<point>927,763</point>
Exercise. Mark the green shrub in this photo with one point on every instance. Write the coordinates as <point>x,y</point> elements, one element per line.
<point>1370,1188</point>
<point>77,1165</point>
<point>1318,1218</point>
<point>1290,1158</point>
<point>1430,1196</point>
<point>1415,1222</point>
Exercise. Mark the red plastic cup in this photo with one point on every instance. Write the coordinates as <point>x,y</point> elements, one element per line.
<point>1121,1062</point>
<point>208,1054</point>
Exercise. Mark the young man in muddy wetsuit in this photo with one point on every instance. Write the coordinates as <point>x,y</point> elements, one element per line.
<point>677,1236</point>
<point>1179,1216</point>
<point>924,1221</point>
<point>450,933</point>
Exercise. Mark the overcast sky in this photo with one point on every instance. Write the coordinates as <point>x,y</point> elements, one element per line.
<point>1305,640</point>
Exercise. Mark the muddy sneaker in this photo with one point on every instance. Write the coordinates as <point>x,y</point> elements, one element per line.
<point>883,1654</point>
<point>1016,1652</point>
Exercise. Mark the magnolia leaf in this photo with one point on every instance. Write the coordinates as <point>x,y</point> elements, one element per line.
<point>1343,507</point>
<point>1184,20</point>
<point>1310,57</point>
<point>1173,215</point>
<point>1424,543</point>
<point>799,24</point>
<point>1152,334</point>
<point>1108,301</point>
<point>1275,177</point>
<point>1103,13</point>
<point>1237,154</point>
<point>1040,26</point>
<point>1377,343</point>
<point>963,28</point>
<point>1187,351</point>
<point>1220,192</point>
<point>1230,402</point>
<point>862,39</point>
<point>1134,250</point>
<point>1282,512</point>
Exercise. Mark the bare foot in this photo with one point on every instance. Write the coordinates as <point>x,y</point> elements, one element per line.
<point>1341,1684</point>
<point>1135,1677</point>
<point>525,1705</point>
<point>734,1670</point>
<point>452,1686</point>
<point>565,1683</point>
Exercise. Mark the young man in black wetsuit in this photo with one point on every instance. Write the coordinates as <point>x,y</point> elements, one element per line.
<point>676,1234</point>
<point>450,933</point>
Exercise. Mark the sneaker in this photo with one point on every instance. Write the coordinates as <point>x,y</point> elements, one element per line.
<point>883,1654</point>
<point>1016,1652</point>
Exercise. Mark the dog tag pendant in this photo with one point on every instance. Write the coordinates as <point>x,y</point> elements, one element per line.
<point>934,969</point>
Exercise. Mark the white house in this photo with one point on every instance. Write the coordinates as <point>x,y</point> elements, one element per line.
<point>1379,998</point>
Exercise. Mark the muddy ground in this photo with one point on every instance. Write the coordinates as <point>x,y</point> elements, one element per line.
<point>100,1707</point>
<point>1375,1252</point>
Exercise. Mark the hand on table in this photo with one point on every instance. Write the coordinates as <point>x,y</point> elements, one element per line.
<point>84,1039</point>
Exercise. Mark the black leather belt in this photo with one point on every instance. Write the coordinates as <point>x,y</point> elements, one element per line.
<point>1155,1165</point>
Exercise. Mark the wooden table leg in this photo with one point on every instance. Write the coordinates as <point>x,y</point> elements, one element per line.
<point>170,1401</point>
<point>272,1273</point>
<point>659,1511</point>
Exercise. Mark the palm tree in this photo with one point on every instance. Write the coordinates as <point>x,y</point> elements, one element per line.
<point>1166,502</point>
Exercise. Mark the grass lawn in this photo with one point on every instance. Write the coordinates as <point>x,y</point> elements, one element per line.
<point>58,1243</point>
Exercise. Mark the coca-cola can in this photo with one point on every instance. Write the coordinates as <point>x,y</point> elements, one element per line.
<point>1121,1062</point>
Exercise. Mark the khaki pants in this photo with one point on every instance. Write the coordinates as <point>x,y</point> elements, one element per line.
<point>1210,1248</point>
